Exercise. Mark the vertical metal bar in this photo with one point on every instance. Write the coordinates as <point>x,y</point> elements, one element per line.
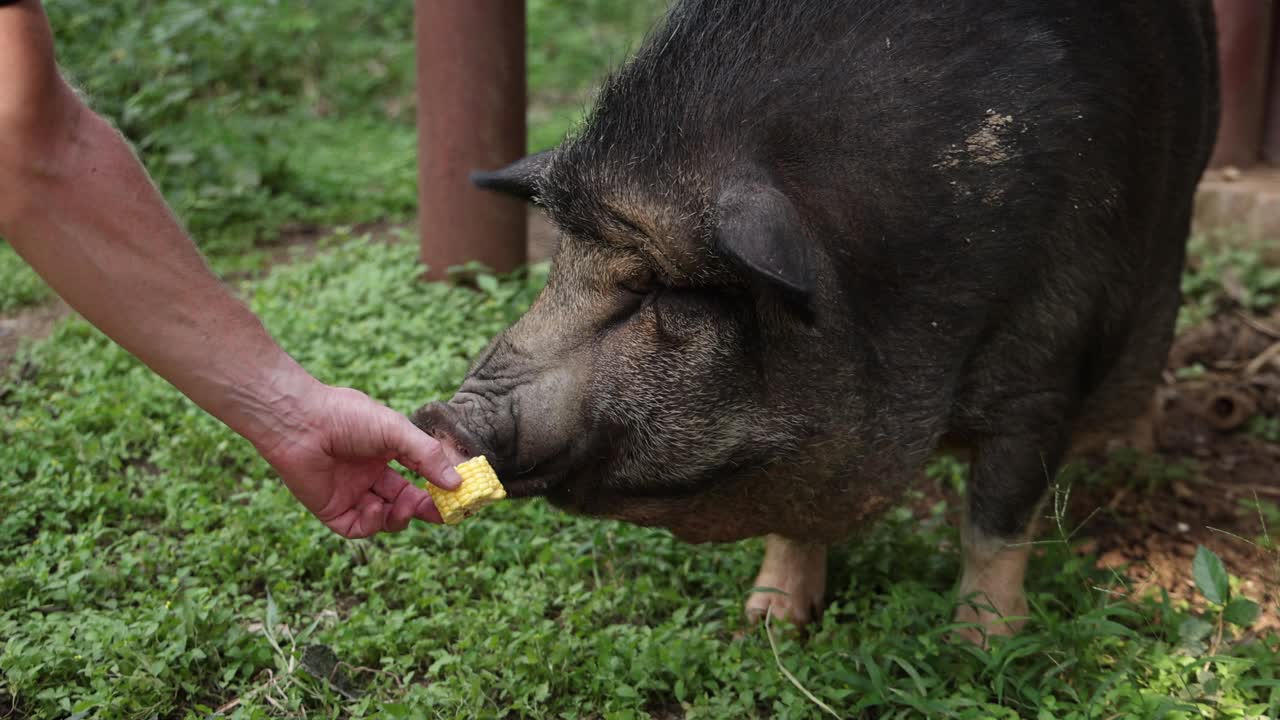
<point>1244,47</point>
<point>471,116</point>
<point>1271,128</point>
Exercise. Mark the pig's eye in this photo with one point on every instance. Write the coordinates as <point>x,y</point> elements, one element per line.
<point>643,285</point>
<point>634,295</point>
<point>641,288</point>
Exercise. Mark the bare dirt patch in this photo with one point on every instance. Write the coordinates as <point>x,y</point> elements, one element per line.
<point>28,324</point>
<point>9,708</point>
<point>1221,393</point>
<point>301,241</point>
<point>295,243</point>
<point>1214,480</point>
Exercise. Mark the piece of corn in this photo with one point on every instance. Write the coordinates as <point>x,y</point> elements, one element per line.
<point>480,487</point>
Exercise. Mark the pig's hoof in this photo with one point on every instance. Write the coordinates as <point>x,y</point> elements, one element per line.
<point>782,605</point>
<point>991,596</point>
<point>791,583</point>
<point>990,619</point>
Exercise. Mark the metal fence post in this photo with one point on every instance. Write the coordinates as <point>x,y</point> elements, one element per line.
<point>471,116</point>
<point>1244,46</point>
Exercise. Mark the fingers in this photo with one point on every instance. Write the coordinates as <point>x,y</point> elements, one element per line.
<point>374,515</point>
<point>420,452</point>
<point>362,427</point>
<point>389,505</point>
<point>362,520</point>
<point>404,499</point>
<point>427,511</point>
<point>398,517</point>
<point>346,476</point>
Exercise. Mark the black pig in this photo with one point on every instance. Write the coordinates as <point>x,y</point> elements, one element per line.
<point>808,244</point>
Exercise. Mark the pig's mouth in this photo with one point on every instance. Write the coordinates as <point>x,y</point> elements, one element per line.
<point>544,479</point>
<point>457,451</point>
<point>574,474</point>
<point>460,445</point>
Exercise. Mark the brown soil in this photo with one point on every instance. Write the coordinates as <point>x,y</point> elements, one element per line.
<point>1144,521</point>
<point>1203,420</point>
<point>9,709</point>
<point>28,324</point>
<point>301,241</point>
<point>295,243</point>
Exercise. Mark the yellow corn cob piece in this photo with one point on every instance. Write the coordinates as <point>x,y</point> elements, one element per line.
<point>480,487</point>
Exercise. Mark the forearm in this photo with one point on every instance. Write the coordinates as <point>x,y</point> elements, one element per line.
<point>89,220</point>
<point>78,206</point>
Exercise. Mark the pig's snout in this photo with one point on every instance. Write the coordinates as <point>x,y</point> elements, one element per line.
<point>517,447</point>
<point>444,422</point>
<point>523,403</point>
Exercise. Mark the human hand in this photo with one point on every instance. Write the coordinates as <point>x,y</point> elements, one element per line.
<point>334,460</point>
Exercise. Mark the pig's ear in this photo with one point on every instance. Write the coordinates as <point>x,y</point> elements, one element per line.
<point>760,229</point>
<point>521,178</point>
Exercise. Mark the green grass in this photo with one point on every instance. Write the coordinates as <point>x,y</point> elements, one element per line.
<point>1224,274</point>
<point>154,567</point>
<point>1264,428</point>
<point>252,115</point>
<point>19,285</point>
<point>570,47</point>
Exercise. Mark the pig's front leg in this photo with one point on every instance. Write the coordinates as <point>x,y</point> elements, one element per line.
<point>795,575</point>
<point>990,591</point>
<point>1007,483</point>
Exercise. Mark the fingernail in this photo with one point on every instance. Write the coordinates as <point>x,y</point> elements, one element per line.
<point>451,479</point>
<point>427,512</point>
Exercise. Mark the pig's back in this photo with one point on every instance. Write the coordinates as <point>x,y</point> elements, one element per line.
<point>899,125</point>
<point>1004,186</point>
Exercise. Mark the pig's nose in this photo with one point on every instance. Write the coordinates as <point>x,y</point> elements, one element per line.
<point>443,422</point>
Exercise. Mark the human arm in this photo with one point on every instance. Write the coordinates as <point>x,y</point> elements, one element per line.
<point>78,206</point>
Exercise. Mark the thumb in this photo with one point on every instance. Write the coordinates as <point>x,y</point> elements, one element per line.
<point>419,451</point>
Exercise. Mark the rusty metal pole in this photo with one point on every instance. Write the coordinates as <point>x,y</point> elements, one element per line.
<point>471,116</point>
<point>1244,48</point>
<point>1271,131</point>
